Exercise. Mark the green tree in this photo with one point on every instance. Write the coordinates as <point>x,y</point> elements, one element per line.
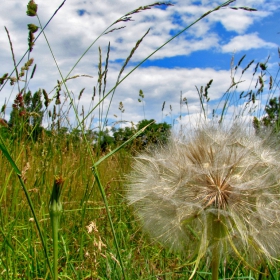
<point>103,140</point>
<point>271,119</point>
<point>27,115</point>
<point>153,134</point>
<point>123,134</point>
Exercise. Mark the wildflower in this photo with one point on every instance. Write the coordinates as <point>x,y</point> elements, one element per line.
<point>213,191</point>
<point>92,227</point>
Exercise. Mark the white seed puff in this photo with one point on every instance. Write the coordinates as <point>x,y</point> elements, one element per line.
<point>212,184</point>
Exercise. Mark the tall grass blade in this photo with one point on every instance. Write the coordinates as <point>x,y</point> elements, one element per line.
<point>18,172</point>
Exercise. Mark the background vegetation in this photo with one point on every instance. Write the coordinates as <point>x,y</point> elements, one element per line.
<point>32,156</point>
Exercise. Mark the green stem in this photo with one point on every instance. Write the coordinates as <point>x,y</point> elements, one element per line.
<point>101,188</point>
<point>218,232</point>
<point>55,227</point>
<point>55,209</point>
<point>7,154</point>
<point>215,262</point>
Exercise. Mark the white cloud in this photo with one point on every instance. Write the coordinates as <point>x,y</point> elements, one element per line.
<point>246,42</point>
<point>69,35</point>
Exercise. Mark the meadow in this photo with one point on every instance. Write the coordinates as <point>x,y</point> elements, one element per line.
<point>64,211</point>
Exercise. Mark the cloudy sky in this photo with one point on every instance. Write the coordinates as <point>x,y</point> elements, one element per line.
<point>207,50</point>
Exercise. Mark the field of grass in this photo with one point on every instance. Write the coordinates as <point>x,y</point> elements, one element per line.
<point>99,236</point>
<point>86,244</point>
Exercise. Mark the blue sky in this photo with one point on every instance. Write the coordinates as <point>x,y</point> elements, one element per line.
<point>203,52</point>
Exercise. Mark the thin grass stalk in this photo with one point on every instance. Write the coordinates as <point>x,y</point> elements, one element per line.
<point>100,77</point>
<point>104,88</point>
<point>18,172</point>
<point>120,81</point>
<point>63,81</point>
<point>168,41</point>
<point>122,69</point>
<point>121,146</point>
<point>223,111</point>
<point>94,168</point>
<point>81,252</point>
<point>13,56</point>
<point>102,191</point>
<point>84,53</point>
<point>201,101</point>
<point>274,87</point>
<point>95,172</point>
<point>26,74</point>
<point>104,197</point>
<point>8,243</point>
<point>228,95</point>
<point>42,29</point>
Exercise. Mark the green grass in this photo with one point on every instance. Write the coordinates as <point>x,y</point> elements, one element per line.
<point>83,254</point>
<point>99,237</point>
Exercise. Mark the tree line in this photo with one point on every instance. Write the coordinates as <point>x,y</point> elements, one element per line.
<point>26,123</point>
<point>27,115</point>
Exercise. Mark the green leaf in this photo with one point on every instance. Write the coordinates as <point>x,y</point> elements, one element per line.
<point>9,158</point>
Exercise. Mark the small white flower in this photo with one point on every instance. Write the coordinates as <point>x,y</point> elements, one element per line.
<point>92,227</point>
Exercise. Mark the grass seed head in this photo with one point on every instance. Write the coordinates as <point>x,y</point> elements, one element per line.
<point>211,185</point>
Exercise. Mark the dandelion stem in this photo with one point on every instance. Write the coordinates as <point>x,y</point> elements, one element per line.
<point>217,229</point>
<point>215,262</point>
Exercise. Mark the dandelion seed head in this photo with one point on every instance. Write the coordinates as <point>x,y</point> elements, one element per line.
<point>213,184</point>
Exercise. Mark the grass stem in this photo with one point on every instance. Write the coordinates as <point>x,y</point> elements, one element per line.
<point>55,209</point>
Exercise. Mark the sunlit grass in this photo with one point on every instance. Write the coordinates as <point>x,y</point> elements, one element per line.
<point>86,244</point>
<point>98,237</point>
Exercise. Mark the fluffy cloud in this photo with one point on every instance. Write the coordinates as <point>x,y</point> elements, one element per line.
<point>246,42</point>
<point>78,23</point>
